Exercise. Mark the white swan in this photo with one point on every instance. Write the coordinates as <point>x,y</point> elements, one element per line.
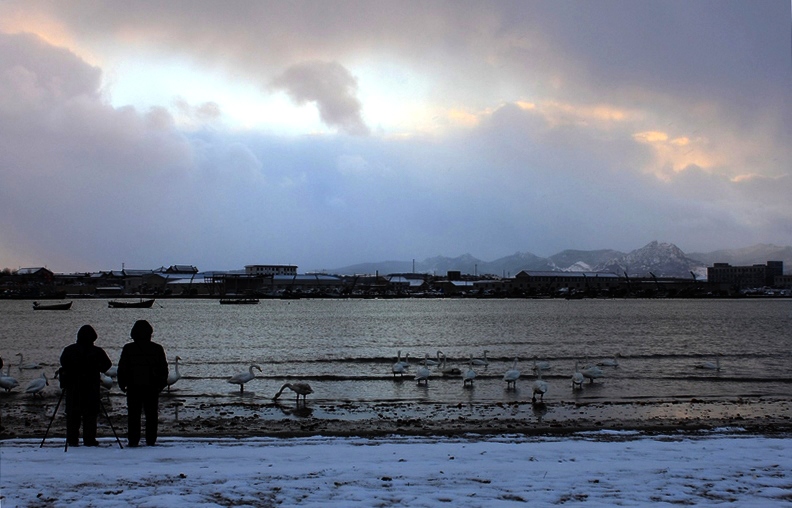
<point>592,372</point>
<point>7,382</point>
<point>303,389</point>
<point>539,366</point>
<point>447,371</point>
<point>243,377</point>
<point>422,373</point>
<point>23,365</point>
<point>539,387</point>
<point>469,375</point>
<point>174,376</point>
<point>710,365</point>
<point>577,377</point>
<point>37,385</point>
<point>482,361</point>
<point>610,362</point>
<point>404,363</point>
<point>433,363</point>
<point>400,367</point>
<point>106,380</point>
<point>512,375</point>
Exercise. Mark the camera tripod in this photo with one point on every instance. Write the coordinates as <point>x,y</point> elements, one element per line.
<point>66,448</point>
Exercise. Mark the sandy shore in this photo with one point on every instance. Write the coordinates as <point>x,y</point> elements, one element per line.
<point>21,416</point>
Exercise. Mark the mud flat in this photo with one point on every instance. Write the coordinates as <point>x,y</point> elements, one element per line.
<point>24,417</point>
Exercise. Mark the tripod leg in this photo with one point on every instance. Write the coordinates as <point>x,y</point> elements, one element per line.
<point>52,419</point>
<point>111,424</point>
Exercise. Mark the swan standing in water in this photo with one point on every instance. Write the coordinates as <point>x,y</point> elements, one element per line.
<point>577,377</point>
<point>592,372</point>
<point>28,366</point>
<point>470,374</point>
<point>174,376</point>
<point>399,367</point>
<point>512,375</point>
<point>482,362</point>
<point>447,371</point>
<point>610,362</point>
<point>112,371</point>
<point>433,363</point>
<point>299,388</point>
<point>539,386</point>
<point>710,365</point>
<point>540,365</point>
<point>7,382</point>
<point>37,385</point>
<point>243,377</point>
<point>422,373</point>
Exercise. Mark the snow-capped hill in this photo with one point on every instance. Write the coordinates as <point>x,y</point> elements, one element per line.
<point>660,259</point>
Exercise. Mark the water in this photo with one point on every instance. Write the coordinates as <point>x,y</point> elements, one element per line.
<point>345,348</point>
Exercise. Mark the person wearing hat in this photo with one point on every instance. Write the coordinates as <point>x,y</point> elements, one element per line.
<point>142,375</point>
<point>81,364</point>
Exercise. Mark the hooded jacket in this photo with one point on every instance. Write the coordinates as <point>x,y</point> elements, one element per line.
<point>82,362</point>
<point>143,365</point>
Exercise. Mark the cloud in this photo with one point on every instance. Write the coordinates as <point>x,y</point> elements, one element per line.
<point>331,87</point>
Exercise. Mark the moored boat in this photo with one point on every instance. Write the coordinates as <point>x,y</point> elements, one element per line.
<point>239,301</point>
<point>52,306</point>
<point>142,304</point>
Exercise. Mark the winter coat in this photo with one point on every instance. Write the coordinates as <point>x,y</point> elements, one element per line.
<point>81,364</point>
<point>143,366</point>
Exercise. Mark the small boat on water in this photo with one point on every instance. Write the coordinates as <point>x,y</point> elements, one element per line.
<point>142,304</point>
<point>52,306</point>
<point>239,301</point>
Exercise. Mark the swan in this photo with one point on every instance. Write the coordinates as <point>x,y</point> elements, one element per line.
<point>592,372</point>
<point>112,371</point>
<point>23,365</point>
<point>610,362</point>
<point>422,373</point>
<point>299,388</point>
<point>539,387</point>
<point>243,377</point>
<point>512,375</point>
<point>7,382</point>
<point>577,377</point>
<point>469,375</point>
<point>710,365</point>
<point>433,363</point>
<point>106,380</point>
<point>482,361</point>
<point>399,367</point>
<point>37,385</point>
<point>174,376</point>
<point>447,371</point>
<point>404,363</point>
<point>539,366</point>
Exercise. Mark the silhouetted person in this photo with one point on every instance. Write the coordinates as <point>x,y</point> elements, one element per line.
<point>142,374</point>
<point>81,364</point>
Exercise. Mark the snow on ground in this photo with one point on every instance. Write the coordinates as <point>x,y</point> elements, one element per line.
<point>599,469</point>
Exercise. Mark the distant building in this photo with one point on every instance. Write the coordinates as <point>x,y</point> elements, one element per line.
<point>268,270</point>
<point>754,276</point>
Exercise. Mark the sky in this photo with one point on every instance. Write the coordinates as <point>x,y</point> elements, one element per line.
<point>600,469</point>
<point>325,134</point>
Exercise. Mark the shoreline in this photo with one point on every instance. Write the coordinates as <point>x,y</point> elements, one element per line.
<point>184,417</point>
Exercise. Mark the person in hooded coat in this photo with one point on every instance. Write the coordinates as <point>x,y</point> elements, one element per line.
<point>142,375</point>
<point>81,364</point>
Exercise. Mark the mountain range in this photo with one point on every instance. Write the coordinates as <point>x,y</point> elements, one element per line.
<point>661,259</point>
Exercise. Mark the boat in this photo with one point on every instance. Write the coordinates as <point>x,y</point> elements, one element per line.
<point>142,304</point>
<point>52,306</point>
<point>239,301</point>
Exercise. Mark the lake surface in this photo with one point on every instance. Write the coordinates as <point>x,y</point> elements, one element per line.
<point>345,348</point>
